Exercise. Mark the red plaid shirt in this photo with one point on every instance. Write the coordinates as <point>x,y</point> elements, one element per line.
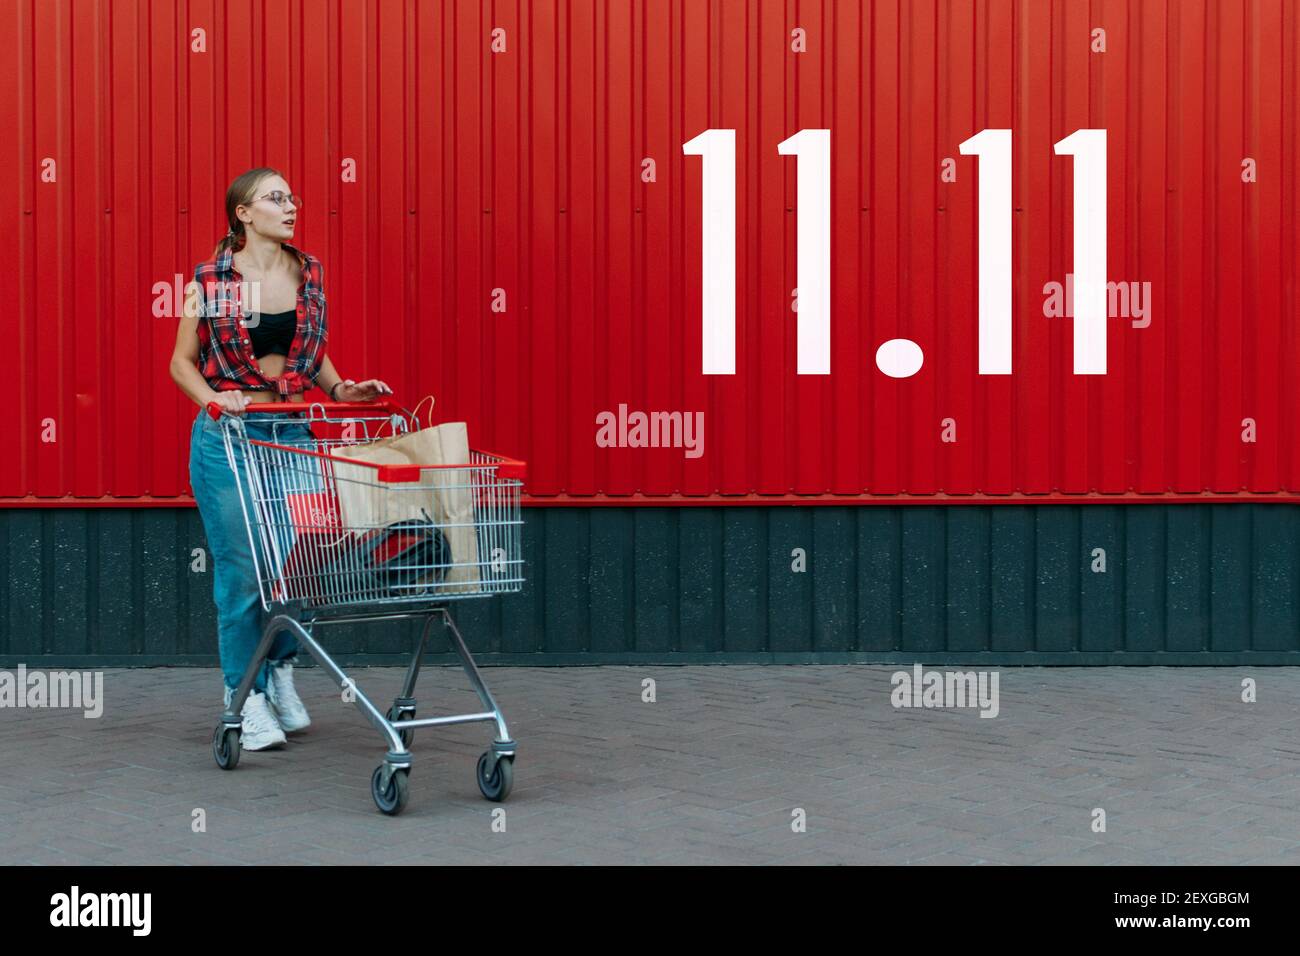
<point>225,351</point>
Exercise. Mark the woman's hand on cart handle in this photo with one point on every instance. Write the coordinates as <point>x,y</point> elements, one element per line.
<point>231,402</point>
<point>367,391</point>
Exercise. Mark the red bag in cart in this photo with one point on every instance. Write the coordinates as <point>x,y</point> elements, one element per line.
<point>318,540</point>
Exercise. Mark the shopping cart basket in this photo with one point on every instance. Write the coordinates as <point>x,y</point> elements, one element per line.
<point>338,540</point>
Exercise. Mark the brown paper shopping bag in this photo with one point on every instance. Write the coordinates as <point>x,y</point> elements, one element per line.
<point>454,496</point>
<point>443,495</point>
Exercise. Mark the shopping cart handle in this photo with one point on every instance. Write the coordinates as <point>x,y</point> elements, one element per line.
<point>386,404</point>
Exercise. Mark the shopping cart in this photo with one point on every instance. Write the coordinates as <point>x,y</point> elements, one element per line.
<point>338,540</point>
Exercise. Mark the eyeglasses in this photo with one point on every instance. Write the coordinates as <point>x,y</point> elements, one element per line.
<point>278,197</point>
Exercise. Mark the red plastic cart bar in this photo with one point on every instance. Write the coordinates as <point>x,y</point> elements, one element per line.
<point>383,404</point>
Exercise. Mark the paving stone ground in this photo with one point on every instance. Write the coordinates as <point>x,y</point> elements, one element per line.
<point>710,773</point>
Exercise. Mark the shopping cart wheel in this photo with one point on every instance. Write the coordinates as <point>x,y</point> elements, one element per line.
<point>497,785</point>
<point>408,733</point>
<point>225,746</point>
<point>392,800</point>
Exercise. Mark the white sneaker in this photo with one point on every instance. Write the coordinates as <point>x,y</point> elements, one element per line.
<point>284,698</point>
<point>260,729</point>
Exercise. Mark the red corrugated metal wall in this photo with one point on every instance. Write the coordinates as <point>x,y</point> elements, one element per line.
<point>521,171</point>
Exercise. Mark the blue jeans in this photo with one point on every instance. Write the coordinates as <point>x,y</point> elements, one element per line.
<point>234,584</point>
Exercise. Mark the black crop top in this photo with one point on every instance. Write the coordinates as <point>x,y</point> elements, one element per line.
<point>271,333</point>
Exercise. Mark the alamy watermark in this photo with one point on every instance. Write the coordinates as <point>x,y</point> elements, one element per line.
<point>651,430</point>
<point>77,909</point>
<point>927,689</point>
<point>77,690</point>
<point>228,298</point>
<point>1124,300</point>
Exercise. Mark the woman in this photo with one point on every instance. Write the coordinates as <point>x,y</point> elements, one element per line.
<point>276,353</point>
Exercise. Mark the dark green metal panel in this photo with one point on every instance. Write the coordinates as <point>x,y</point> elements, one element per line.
<point>1006,584</point>
<point>1229,545</point>
<point>610,598</point>
<point>1187,579</point>
<point>1101,603</point>
<point>833,626</point>
<point>967,596</point>
<point>1011,580</point>
<point>1274,595</point>
<point>654,581</point>
<point>880,579</point>
<point>789,592</point>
